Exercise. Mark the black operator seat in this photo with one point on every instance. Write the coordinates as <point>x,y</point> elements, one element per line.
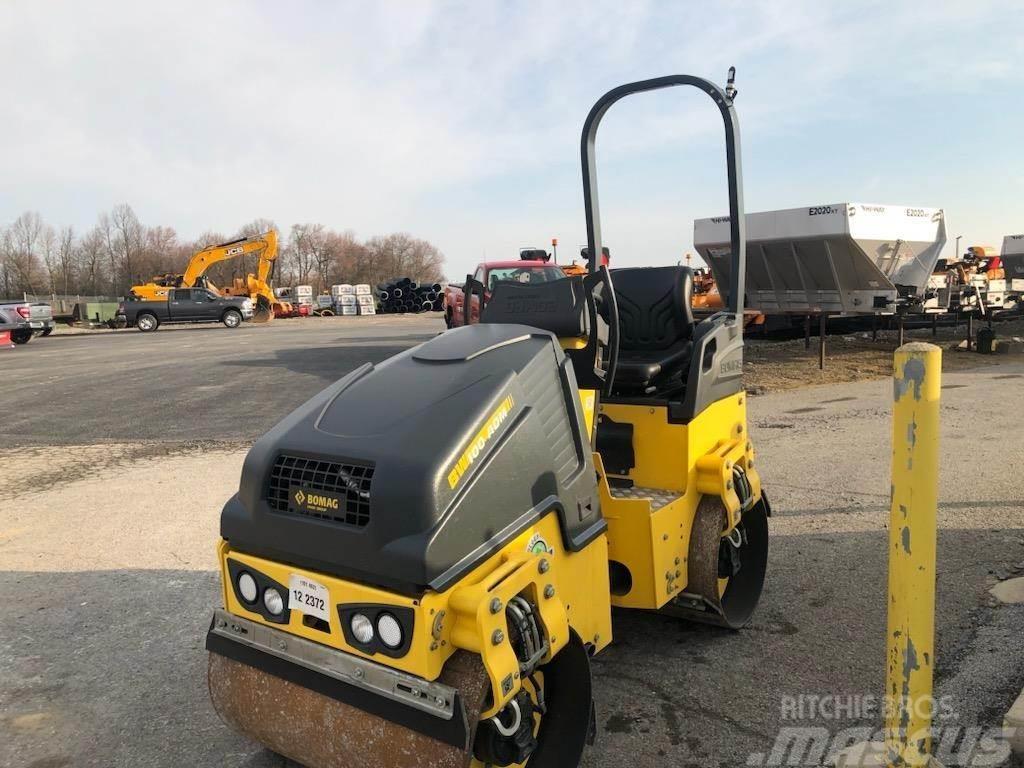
<point>655,329</point>
<point>563,307</point>
<point>558,306</point>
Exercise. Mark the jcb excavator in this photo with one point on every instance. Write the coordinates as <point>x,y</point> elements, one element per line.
<point>257,287</point>
<point>421,560</point>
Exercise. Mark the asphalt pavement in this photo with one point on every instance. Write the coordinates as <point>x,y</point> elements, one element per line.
<point>187,382</point>
<point>116,453</point>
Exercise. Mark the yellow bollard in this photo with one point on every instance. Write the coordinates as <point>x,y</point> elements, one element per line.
<point>910,649</point>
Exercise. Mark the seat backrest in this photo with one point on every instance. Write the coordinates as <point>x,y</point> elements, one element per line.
<point>558,306</point>
<point>654,306</point>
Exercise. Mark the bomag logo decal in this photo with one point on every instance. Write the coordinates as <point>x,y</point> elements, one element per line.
<point>314,501</point>
<point>479,442</point>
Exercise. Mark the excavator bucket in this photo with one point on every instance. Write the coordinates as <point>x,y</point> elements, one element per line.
<point>264,312</point>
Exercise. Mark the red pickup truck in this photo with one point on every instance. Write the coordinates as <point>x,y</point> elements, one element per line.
<point>489,274</point>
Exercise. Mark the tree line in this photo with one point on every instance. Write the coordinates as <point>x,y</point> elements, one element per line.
<point>120,251</point>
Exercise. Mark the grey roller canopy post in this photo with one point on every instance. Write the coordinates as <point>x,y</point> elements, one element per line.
<point>724,100</point>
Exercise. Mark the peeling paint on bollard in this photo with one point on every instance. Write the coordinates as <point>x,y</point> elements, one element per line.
<point>911,625</point>
<point>912,373</point>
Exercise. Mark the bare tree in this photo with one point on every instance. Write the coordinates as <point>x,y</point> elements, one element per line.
<point>307,250</point>
<point>128,242</point>
<point>26,234</point>
<point>120,251</point>
<point>400,254</point>
<point>159,251</point>
<point>66,256</point>
<point>105,228</point>
<point>90,253</point>
<point>48,250</point>
<point>7,272</point>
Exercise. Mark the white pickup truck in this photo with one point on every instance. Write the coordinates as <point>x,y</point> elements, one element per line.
<point>24,320</point>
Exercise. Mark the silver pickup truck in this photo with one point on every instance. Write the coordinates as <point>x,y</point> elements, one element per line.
<point>24,320</point>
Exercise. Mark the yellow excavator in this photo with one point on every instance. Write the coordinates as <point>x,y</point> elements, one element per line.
<point>419,562</point>
<point>257,286</point>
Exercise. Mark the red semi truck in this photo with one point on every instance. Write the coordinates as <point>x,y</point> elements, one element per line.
<point>490,273</point>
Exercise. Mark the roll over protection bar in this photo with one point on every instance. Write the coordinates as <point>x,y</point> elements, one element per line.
<point>737,223</point>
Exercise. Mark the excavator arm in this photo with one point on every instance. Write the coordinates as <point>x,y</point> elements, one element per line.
<point>265,244</point>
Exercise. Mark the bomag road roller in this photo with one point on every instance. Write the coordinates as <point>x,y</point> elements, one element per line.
<point>421,560</point>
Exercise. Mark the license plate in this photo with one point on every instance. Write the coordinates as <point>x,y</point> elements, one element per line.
<point>309,597</point>
<point>36,325</point>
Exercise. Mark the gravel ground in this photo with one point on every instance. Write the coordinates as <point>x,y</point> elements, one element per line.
<point>107,562</point>
<point>774,365</point>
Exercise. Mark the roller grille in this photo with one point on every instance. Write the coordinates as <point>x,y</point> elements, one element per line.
<point>350,481</point>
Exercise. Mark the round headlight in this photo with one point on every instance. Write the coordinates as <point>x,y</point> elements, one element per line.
<point>362,628</point>
<point>247,587</point>
<point>273,600</point>
<point>390,630</point>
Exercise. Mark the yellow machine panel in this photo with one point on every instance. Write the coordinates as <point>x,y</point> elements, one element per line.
<point>649,527</point>
<point>461,617</point>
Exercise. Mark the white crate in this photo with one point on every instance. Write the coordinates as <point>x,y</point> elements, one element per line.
<point>342,290</point>
<point>367,309</point>
<point>366,300</point>
<point>346,299</point>
<point>363,290</point>
<point>347,309</point>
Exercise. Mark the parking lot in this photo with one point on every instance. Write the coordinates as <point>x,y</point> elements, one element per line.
<point>118,450</point>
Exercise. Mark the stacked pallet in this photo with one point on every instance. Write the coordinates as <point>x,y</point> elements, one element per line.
<point>403,294</point>
<point>366,302</point>
<point>351,300</point>
<point>344,296</point>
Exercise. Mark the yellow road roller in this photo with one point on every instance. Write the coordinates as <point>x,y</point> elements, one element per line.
<point>421,560</point>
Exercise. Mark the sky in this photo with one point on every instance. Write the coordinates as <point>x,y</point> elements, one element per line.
<point>459,121</point>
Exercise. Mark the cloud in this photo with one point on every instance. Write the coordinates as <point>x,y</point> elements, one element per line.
<point>449,119</point>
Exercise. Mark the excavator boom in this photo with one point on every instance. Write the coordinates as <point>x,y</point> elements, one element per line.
<point>265,244</point>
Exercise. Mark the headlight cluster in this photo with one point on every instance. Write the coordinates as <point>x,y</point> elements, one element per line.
<point>383,629</point>
<point>388,630</point>
<point>259,593</point>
